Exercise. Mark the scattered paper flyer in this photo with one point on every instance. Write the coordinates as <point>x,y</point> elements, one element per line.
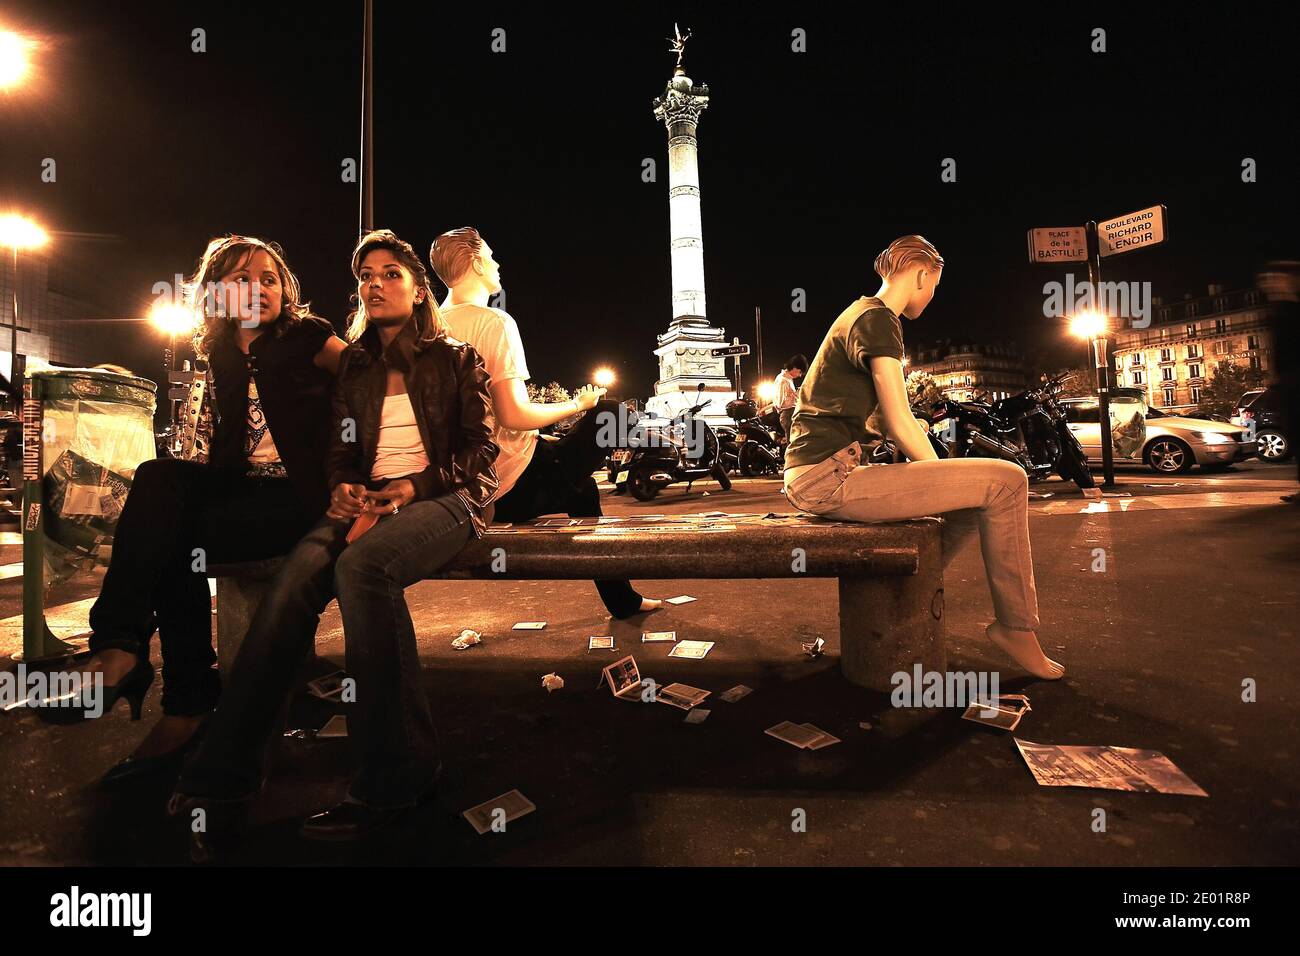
<point>736,693</point>
<point>501,810</point>
<point>1106,768</point>
<point>600,643</point>
<point>681,695</point>
<point>694,650</point>
<point>467,639</point>
<point>681,599</point>
<point>824,739</point>
<point>336,726</point>
<point>651,637</point>
<point>624,678</point>
<point>814,648</point>
<point>1093,493</point>
<point>328,687</point>
<point>798,735</point>
<point>1004,716</point>
<point>529,626</point>
<point>697,716</point>
<point>552,682</point>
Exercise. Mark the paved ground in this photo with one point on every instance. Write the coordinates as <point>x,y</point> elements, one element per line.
<point>1200,593</point>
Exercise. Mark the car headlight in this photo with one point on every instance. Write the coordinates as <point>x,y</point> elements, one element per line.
<point>1212,438</point>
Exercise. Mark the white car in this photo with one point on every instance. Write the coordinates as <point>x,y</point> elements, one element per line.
<point>1173,442</point>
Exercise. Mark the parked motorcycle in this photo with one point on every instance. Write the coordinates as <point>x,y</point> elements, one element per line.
<point>758,448</point>
<point>661,454</point>
<point>1028,428</point>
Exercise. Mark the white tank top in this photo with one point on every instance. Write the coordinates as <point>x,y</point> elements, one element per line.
<point>400,450</point>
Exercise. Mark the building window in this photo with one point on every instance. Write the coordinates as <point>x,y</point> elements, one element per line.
<point>1220,304</point>
<point>1191,308</point>
<point>1220,325</point>
<point>1196,394</point>
<point>1194,371</point>
<point>1137,378</point>
<point>1193,351</point>
<point>1169,396</point>
<point>1252,341</point>
<point>1137,359</point>
<point>1191,330</point>
<point>1166,374</point>
<point>1166,355</point>
<point>1220,348</point>
<point>1254,362</point>
<point>1119,379</point>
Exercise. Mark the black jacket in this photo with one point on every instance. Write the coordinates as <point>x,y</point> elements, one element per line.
<point>448,386</point>
<point>295,396</point>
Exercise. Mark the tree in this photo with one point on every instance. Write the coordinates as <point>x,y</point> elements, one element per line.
<point>1220,394</point>
<point>922,390</point>
<point>548,395</point>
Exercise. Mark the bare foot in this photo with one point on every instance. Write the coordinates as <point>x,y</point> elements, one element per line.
<point>170,733</point>
<point>1022,647</point>
<point>650,604</point>
<point>113,663</point>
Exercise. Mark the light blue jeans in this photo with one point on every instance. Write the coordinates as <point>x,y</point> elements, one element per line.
<point>987,493</point>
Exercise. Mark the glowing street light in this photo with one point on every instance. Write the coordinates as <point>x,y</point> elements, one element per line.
<point>766,392</point>
<point>15,64</point>
<point>17,233</point>
<point>171,318</point>
<point>603,377</point>
<point>1088,324</point>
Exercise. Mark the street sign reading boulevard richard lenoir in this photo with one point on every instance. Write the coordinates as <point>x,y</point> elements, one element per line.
<point>1146,227</point>
<point>1066,244</point>
<point>731,350</point>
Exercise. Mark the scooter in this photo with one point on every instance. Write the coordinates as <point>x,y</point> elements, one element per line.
<point>685,449</point>
<point>759,450</point>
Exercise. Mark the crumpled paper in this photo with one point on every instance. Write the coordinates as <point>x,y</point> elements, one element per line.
<point>467,639</point>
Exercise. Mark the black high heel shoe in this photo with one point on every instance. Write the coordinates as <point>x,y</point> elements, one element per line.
<point>133,686</point>
<point>136,768</point>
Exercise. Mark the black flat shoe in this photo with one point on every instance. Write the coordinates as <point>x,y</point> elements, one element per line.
<point>139,768</point>
<point>132,687</point>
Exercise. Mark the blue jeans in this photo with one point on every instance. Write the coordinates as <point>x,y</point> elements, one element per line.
<point>390,724</point>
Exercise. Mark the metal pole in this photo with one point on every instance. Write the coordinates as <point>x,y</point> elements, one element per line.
<point>367,211</point>
<point>1101,360</point>
<point>13,333</point>
<point>758,339</point>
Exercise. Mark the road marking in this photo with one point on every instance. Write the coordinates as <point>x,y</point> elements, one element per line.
<point>8,571</point>
<point>1209,499</point>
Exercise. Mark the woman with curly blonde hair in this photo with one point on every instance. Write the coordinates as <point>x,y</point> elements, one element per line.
<point>271,366</point>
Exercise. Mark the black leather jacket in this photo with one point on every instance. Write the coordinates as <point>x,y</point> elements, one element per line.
<point>448,387</point>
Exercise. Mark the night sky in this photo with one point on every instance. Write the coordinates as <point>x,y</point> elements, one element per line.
<point>810,163</point>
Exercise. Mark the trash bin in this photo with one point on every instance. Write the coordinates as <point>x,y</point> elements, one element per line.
<point>85,431</point>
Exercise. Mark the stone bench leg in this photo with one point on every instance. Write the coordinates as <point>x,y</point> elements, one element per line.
<point>237,600</point>
<point>889,624</point>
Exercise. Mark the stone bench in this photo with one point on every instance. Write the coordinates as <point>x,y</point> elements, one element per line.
<point>890,575</point>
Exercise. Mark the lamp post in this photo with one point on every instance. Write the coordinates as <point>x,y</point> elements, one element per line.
<point>1091,326</point>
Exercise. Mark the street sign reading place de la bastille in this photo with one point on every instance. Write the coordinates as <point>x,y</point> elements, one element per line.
<point>1064,244</point>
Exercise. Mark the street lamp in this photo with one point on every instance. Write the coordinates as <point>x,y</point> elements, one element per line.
<point>14,61</point>
<point>766,392</point>
<point>1092,326</point>
<point>18,233</point>
<point>603,377</point>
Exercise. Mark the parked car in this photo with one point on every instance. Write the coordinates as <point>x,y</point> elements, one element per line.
<point>1174,443</point>
<point>1263,406</point>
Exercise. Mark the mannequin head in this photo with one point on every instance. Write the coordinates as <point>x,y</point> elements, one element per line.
<point>464,262</point>
<point>910,269</point>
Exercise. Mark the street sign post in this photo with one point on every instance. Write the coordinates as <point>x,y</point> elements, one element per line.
<point>731,350</point>
<point>1091,243</point>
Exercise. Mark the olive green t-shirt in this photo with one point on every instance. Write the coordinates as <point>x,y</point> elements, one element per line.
<point>838,395</point>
